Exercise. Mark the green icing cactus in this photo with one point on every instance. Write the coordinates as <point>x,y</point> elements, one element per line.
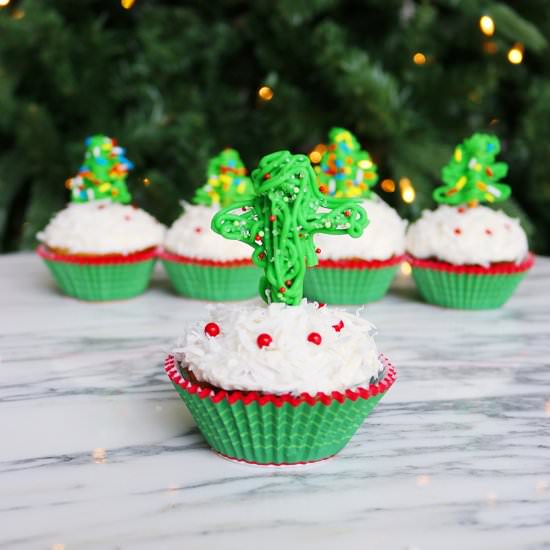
<point>227,181</point>
<point>472,174</point>
<point>345,170</point>
<point>103,173</point>
<point>280,220</point>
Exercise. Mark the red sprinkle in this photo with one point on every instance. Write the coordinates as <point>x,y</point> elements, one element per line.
<point>127,217</point>
<point>288,282</point>
<point>488,232</point>
<point>261,255</point>
<point>458,231</point>
<point>347,213</point>
<point>323,189</point>
<point>339,326</point>
<point>461,210</point>
<point>263,340</point>
<point>320,305</point>
<point>267,176</point>
<point>198,229</point>
<point>314,338</point>
<point>212,329</point>
<point>488,171</point>
<point>282,290</point>
<point>318,250</point>
<point>272,218</point>
<point>258,238</point>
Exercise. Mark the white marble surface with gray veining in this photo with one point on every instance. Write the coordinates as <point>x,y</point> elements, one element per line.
<point>96,450</point>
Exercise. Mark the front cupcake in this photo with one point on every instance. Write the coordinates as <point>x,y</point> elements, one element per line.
<point>465,255</point>
<point>287,382</point>
<point>199,262</point>
<point>360,270</point>
<point>98,248</point>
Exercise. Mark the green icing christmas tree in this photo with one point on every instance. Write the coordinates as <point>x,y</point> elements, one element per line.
<point>345,169</point>
<point>103,174</point>
<point>472,175</point>
<point>279,222</point>
<point>227,181</point>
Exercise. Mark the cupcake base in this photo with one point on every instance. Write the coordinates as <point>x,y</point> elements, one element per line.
<point>212,280</point>
<point>350,281</point>
<point>269,429</point>
<point>100,278</point>
<point>468,287</point>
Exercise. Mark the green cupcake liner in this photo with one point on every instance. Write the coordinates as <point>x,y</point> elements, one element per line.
<point>464,289</point>
<point>213,282</point>
<point>92,280</point>
<point>277,430</point>
<point>367,282</point>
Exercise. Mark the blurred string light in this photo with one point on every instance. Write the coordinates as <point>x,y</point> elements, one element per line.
<point>146,182</point>
<point>265,93</point>
<point>487,25</point>
<point>4,3</point>
<point>490,47</point>
<point>515,54</point>
<point>127,4</point>
<point>406,269</point>
<point>317,153</point>
<point>408,194</point>
<point>18,14</point>
<point>419,58</point>
<point>388,185</point>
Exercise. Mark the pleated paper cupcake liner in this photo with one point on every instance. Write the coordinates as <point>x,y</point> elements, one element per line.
<point>100,278</point>
<point>211,280</point>
<point>266,429</point>
<point>468,287</point>
<point>350,281</point>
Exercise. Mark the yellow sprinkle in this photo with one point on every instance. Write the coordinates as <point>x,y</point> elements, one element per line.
<point>477,167</point>
<point>461,182</point>
<point>104,187</point>
<point>365,164</point>
<point>489,197</point>
<point>241,188</point>
<point>458,154</point>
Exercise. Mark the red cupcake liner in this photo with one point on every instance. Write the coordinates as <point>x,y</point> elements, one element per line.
<point>165,255</point>
<point>361,264</point>
<point>106,259</point>
<point>233,396</point>
<point>500,268</point>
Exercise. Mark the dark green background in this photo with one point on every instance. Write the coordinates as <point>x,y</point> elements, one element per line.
<point>177,81</point>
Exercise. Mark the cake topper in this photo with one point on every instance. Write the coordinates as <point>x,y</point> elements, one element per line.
<point>472,174</point>
<point>345,170</point>
<point>227,181</point>
<point>280,220</point>
<point>103,174</point>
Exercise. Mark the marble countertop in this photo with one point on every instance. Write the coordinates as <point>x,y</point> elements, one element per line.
<point>97,451</point>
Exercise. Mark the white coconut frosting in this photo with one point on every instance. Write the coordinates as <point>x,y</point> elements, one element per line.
<point>346,356</point>
<point>383,237</point>
<point>192,236</point>
<point>102,227</point>
<point>462,235</point>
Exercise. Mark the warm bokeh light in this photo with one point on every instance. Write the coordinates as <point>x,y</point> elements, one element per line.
<point>408,194</point>
<point>315,157</point>
<point>4,3</point>
<point>419,58</point>
<point>18,14</point>
<point>423,480</point>
<point>99,455</point>
<point>388,186</point>
<point>406,269</point>
<point>146,182</point>
<point>127,4</point>
<point>487,25</point>
<point>515,54</point>
<point>265,93</point>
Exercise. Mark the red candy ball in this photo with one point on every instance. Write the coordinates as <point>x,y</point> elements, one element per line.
<point>272,218</point>
<point>338,326</point>
<point>264,340</point>
<point>314,338</point>
<point>212,329</point>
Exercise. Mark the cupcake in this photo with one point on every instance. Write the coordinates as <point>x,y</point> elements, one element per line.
<point>200,263</point>
<point>355,271</point>
<point>463,254</point>
<point>98,248</point>
<point>286,382</point>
